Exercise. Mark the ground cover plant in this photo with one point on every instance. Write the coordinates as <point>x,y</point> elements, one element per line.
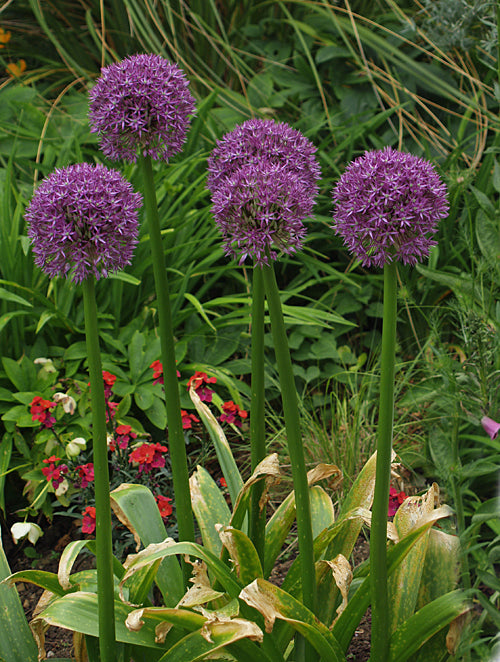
<point>311,346</point>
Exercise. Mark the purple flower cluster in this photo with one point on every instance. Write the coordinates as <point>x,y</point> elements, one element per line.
<point>263,179</point>
<point>387,206</point>
<point>141,103</point>
<point>83,220</point>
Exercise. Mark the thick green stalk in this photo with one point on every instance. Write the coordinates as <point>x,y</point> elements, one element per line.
<point>378,535</point>
<point>294,438</point>
<point>104,544</point>
<point>177,446</point>
<point>257,411</point>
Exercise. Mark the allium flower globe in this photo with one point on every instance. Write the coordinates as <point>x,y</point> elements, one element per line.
<point>387,207</point>
<point>263,179</point>
<point>83,221</point>
<point>141,104</point>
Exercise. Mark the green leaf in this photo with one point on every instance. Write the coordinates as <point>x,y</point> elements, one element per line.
<point>5,453</point>
<point>488,237</point>
<point>22,374</point>
<point>242,553</point>
<point>16,641</point>
<point>136,508</point>
<point>5,295</point>
<point>210,508</point>
<point>322,512</point>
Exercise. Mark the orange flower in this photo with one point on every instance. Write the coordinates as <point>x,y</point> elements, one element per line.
<point>4,38</point>
<point>16,69</point>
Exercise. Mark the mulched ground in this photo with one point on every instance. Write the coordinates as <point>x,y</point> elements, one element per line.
<point>57,535</point>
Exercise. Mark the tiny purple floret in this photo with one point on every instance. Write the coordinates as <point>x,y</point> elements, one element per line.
<point>491,427</point>
<point>83,220</point>
<point>141,104</point>
<point>263,179</point>
<point>387,207</point>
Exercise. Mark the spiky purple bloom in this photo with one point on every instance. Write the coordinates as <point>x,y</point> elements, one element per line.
<point>387,207</point>
<point>263,179</point>
<point>83,220</point>
<point>141,104</point>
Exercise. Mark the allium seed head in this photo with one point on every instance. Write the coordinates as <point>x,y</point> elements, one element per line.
<point>387,207</point>
<point>83,220</point>
<point>263,179</point>
<point>141,104</point>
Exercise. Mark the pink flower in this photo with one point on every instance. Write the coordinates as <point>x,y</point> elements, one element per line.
<point>188,419</point>
<point>164,505</point>
<point>123,435</point>
<point>148,456</point>
<point>85,473</point>
<point>198,381</point>
<point>109,382</point>
<point>40,411</point>
<point>395,500</point>
<point>88,521</point>
<point>490,426</point>
<point>231,412</point>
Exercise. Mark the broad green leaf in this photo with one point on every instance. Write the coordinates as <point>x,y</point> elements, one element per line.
<point>426,622</point>
<point>267,470</point>
<point>46,580</point>
<point>5,295</point>
<point>135,506</point>
<point>210,508</point>
<point>242,553</point>
<point>488,512</point>
<point>224,454</point>
<point>274,603</point>
<point>322,512</point>
<point>488,237</point>
<point>16,641</point>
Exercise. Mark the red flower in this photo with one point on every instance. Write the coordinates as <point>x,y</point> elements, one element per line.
<point>395,500</point>
<point>164,505</point>
<point>222,483</point>
<point>198,381</point>
<point>158,372</point>
<point>53,473</point>
<point>40,411</point>
<point>88,522</point>
<point>148,456</point>
<point>231,412</point>
<point>85,473</point>
<point>188,419</point>
<point>110,410</point>
<point>123,435</point>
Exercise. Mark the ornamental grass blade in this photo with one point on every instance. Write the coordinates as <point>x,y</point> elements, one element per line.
<point>242,553</point>
<point>16,641</point>
<point>210,508</point>
<point>224,454</point>
<point>274,603</point>
<point>135,506</point>
<point>425,623</point>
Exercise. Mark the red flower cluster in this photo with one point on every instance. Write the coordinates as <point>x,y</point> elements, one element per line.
<point>198,381</point>
<point>395,500</point>
<point>158,372</point>
<point>188,419</point>
<point>54,473</point>
<point>164,505</point>
<point>123,435</point>
<point>148,456</point>
<point>40,410</point>
<point>232,414</point>
<point>88,522</point>
<point>85,473</point>
<point>109,382</point>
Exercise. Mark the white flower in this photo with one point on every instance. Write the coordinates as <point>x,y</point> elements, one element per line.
<point>68,403</point>
<point>76,446</point>
<point>46,364</point>
<point>22,529</point>
<point>62,488</point>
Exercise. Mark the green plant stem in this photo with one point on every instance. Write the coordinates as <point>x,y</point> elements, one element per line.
<point>458,501</point>
<point>104,543</point>
<point>176,443</point>
<point>378,535</point>
<point>257,412</point>
<point>294,438</point>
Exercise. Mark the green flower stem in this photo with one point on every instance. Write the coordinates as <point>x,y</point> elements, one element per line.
<point>378,535</point>
<point>104,544</point>
<point>257,411</point>
<point>176,443</point>
<point>294,438</point>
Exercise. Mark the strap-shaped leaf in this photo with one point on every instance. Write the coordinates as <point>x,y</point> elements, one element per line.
<point>426,622</point>
<point>210,508</point>
<point>135,506</point>
<point>274,603</point>
<point>242,553</point>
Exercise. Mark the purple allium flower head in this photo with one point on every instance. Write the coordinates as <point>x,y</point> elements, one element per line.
<point>387,206</point>
<point>263,140</point>
<point>141,103</point>
<point>82,221</point>
<point>263,179</point>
